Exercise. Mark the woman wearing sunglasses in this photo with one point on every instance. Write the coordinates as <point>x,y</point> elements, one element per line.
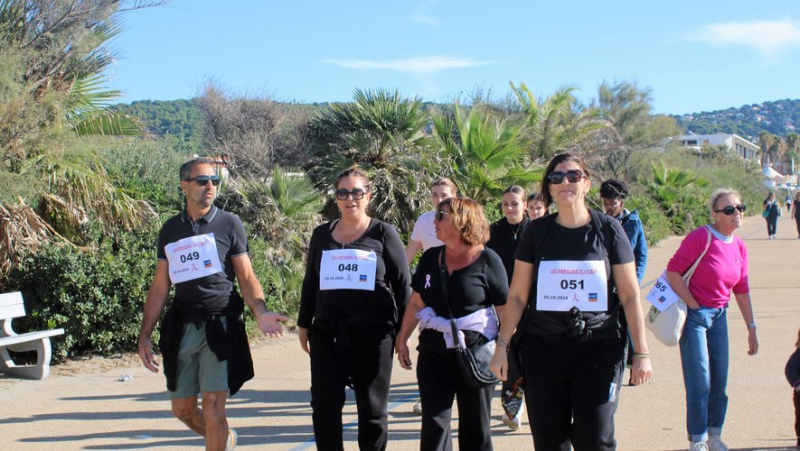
<point>353,297</point>
<point>462,280</point>
<point>704,343</point>
<point>574,272</point>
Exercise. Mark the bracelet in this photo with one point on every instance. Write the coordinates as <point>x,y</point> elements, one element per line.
<point>751,326</point>
<point>640,355</point>
<point>502,343</point>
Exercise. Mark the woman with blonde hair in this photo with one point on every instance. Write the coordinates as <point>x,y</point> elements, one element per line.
<point>465,281</point>
<point>704,343</point>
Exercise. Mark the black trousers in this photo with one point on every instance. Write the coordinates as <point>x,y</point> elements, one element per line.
<point>572,391</point>
<point>797,416</point>
<point>367,365</point>
<point>797,222</point>
<point>440,381</point>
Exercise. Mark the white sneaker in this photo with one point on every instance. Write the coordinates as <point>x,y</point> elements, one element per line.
<point>230,445</point>
<point>698,446</point>
<point>417,408</point>
<point>512,423</point>
<point>715,443</point>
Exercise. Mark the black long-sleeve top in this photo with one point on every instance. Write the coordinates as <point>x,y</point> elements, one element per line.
<point>793,368</point>
<point>381,309</point>
<point>504,239</point>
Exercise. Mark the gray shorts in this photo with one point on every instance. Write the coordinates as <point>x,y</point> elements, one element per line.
<point>199,371</point>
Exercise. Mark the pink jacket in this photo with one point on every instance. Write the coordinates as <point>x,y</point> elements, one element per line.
<point>722,270</point>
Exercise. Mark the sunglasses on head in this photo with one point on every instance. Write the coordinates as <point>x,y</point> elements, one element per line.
<point>572,176</point>
<point>203,180</point>
<point>358,194</point>
<point>730,209</point>
<point>440,214</point>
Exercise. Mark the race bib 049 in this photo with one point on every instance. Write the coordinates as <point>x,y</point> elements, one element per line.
<point>192,258</point>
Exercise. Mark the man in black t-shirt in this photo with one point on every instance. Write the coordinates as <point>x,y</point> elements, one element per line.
<point>203,340</point>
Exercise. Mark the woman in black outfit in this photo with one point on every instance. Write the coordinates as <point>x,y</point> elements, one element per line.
<point>795,213</point>
<point>476,282</point>
<point>503,239</point>
<point>354,294</point>
<point>575,271</point>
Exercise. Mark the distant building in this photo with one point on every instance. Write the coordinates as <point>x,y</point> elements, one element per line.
<point>742,147</point>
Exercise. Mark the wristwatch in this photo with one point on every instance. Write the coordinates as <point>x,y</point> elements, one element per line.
<point>751,326</point>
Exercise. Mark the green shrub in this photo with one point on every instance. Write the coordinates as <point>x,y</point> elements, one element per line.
<point>97,296</point>
<point>656,225</point>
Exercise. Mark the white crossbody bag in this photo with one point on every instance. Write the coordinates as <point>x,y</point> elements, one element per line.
<point>667,315</point>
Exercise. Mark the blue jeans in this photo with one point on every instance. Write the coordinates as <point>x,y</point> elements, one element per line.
<point>704,355</point>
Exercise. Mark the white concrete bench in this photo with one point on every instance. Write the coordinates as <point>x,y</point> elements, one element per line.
<point>12,306</point>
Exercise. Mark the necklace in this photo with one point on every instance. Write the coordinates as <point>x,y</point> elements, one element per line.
<point>516,232</point>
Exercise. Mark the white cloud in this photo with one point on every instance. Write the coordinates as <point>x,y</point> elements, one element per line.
<point>766,37</point>
<point>412,65</point>
<point>421,17</point>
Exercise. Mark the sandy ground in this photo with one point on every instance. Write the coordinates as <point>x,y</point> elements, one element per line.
<point>83,405</point>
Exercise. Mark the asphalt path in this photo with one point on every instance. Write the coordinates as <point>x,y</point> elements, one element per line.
<point>94,410</point>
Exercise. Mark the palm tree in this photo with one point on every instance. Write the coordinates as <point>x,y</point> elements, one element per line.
<point>53,55</point>
<point>555,123</point>
<point>383,133</point>
<point>485,154</point>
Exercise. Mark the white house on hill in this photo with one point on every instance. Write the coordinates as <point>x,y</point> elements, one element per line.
<point>742,147</point>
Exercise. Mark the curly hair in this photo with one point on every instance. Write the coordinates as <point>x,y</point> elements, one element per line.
<point>468,219</point>
<point>613,188</point>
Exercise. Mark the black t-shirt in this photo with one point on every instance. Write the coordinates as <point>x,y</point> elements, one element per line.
<point>480,285</point>
<point>382,308</point>
<point>582,243</point>
<point>504,239</point>
<point>213,293</point>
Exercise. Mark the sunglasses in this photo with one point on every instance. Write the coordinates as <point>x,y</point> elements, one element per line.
<point>572,176</point>
<point>342,194</point>
<point>440,214</point>
<point>203,180</point>
<point>730,209</point>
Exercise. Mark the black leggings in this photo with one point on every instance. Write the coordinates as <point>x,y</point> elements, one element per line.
<point>797,221</point>
<point>572,391</point>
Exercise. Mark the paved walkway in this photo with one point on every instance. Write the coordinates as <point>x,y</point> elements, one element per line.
<point>96,411</point>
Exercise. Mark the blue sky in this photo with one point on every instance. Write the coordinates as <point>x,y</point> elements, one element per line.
<point>699,55</point>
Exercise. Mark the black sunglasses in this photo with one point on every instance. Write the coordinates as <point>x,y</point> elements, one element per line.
<point>729,210</point>
<point>572,176</point>
<point>203,180</point>
<point>440,214</point>
<point>358,194</point>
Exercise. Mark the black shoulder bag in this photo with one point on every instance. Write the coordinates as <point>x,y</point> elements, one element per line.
<point>473,361</point>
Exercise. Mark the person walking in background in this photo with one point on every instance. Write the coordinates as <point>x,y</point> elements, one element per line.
<point>423,236</point>
<point>771,213</point>
<point>203,340</point>
<point>788,200</point>
<point>613,194</point>
<point>354,294</point>
<point>704,343</point>
<point>795,213</point>
<point>536,207</point>
<point>793,376</point>
<point>503,239</point>
<point>575,269</point>
<point>466,281</point>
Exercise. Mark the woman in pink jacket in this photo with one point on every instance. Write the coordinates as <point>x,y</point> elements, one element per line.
<point>704,343</point>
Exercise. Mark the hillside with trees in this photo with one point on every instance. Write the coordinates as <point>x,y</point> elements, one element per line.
<point>780,118</point>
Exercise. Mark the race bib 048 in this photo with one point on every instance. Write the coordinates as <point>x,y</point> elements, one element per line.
<point>348,269</point>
